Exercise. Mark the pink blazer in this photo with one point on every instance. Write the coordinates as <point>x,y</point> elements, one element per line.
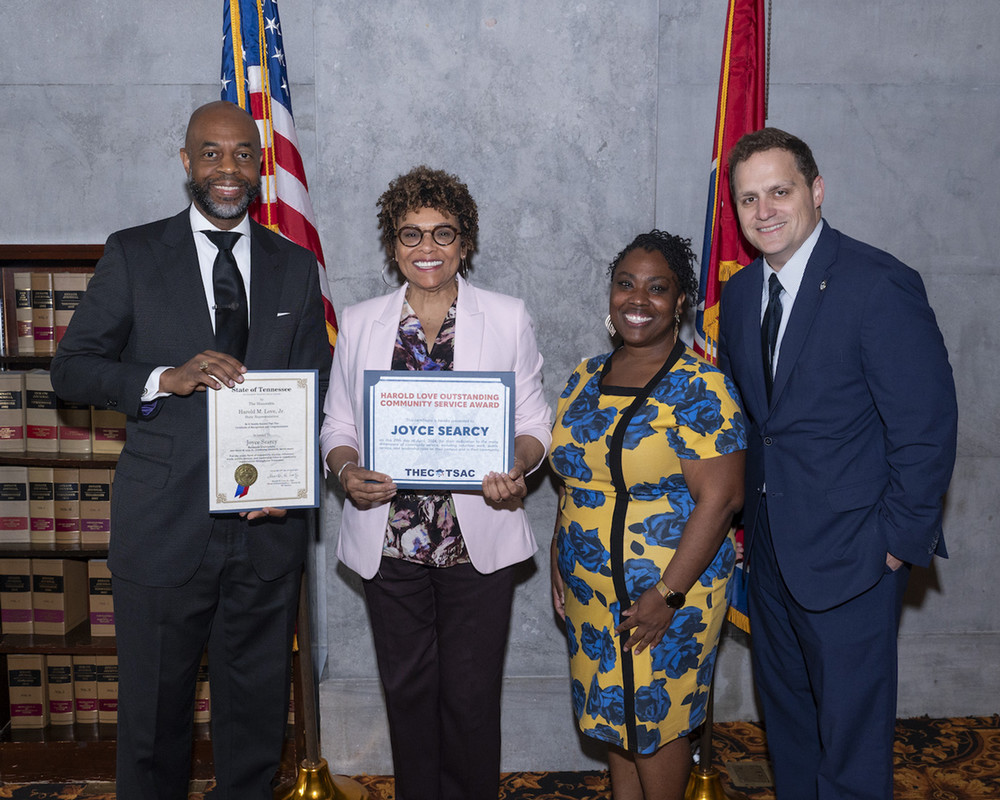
<point>493,332</point>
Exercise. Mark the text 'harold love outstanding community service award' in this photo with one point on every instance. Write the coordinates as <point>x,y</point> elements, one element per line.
<point>439,430</point>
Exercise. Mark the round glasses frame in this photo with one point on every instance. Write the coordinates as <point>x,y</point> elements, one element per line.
<point>411,235</point>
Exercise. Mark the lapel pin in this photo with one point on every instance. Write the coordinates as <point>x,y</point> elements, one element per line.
<point>822,286</point>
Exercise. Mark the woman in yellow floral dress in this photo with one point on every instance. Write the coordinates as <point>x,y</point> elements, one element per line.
<point>649,444</point>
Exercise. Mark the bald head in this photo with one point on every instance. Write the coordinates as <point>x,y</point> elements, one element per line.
<point>219,112</point>
<point>221,156</point>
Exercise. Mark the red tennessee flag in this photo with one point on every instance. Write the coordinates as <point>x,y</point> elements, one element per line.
<point>740,110</point>
<point>742,84</point>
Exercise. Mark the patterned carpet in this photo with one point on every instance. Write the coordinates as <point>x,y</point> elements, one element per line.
<point>942,759</point>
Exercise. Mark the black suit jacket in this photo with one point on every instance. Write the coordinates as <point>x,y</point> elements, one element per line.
<point>144,308</point>
<point>857,445</point>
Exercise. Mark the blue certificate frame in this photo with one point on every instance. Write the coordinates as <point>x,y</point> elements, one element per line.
<point>438,430</point>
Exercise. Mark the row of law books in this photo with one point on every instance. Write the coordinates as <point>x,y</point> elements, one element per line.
<point>44,303</point>
<point>52,596</point>
<point>33,419</point>
<point>55,505</point>
<point>66,689</point>
<point>61,689</point>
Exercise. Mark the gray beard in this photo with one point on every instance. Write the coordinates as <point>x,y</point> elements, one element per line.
<point>201,197</point>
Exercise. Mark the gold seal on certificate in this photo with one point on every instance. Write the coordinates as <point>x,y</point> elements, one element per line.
<point>246,474</point>
<point>262,442</point>
<point>438,430</point>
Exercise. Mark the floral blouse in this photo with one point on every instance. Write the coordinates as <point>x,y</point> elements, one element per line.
<point>423,527</point>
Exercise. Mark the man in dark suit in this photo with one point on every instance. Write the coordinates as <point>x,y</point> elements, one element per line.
<point>151,335</point>
<point>851,417</point>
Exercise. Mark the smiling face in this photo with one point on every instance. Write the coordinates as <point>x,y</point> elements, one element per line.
<point>221,156</point>
<point>645,299</point>
<point>429,267</point>
<point>777,208</point>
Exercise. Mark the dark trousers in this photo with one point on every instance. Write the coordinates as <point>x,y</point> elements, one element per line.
<point>440,636</point>
<point>826,682</point>
<point>161,634</point>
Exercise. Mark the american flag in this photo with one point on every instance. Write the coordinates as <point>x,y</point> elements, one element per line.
<point>254,77</point>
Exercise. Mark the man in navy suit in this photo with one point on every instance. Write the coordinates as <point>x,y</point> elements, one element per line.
<point>150,337</point>
<point>851,413</point>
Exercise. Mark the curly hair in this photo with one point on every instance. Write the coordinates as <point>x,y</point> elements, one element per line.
<point>423,187</point>
<point>675,250</point>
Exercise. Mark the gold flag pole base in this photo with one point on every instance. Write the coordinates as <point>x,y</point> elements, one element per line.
<point>706,784</point>
<point>316,783</point>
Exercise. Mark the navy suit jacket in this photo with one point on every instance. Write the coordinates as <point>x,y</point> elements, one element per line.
<point>145,307</point>
<point>858,443</point>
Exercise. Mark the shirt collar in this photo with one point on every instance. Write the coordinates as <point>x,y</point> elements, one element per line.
<point>792,272</point>
<point>199,222</point>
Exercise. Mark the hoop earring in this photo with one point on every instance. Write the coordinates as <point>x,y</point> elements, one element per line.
<point>384,280</point>
<point>610,326</point>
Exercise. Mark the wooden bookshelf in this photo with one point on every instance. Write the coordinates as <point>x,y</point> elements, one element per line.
<point>35,258</point>
<point>75,752</point>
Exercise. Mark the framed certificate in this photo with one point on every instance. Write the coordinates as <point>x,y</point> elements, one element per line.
<point>263,448</point>
<point>439,430</point>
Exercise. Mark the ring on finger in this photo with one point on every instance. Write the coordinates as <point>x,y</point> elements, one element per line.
<point>203,366</point>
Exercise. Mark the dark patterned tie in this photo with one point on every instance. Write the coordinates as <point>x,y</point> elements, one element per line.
<point>769,331</point>
<point>231,318</point>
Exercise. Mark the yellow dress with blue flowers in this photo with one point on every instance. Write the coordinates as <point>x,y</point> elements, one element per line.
<point>618,451</point>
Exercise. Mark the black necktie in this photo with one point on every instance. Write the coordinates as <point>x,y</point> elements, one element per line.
<point>231,318</point>
<point>769,331</point>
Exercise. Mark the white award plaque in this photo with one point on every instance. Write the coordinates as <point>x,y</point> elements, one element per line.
<point>439,430</point>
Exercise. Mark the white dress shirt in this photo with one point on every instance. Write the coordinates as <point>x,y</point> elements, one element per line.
<point>207,252</point>
<point>790,277</point>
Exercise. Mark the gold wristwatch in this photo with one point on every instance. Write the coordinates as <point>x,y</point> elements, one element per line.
<point>670,597</point>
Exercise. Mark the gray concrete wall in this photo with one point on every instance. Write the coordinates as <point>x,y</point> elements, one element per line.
<point>576,125</point>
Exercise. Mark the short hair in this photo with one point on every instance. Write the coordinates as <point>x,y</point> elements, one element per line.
<point>423,187</point>
<point>675,250</point>
<point>772,139</point>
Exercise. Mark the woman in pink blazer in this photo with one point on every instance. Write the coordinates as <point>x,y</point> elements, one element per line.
<point>437,566</point>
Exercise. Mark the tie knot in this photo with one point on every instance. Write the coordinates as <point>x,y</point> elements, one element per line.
<point>774,286</point>
<point>224,240</point>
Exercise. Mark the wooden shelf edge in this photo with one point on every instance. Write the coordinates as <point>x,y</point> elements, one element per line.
<point>50,252</point>
<point>28,550</point>
<point>91,756</point>
<point>37,458</point>
<point>77,642</point>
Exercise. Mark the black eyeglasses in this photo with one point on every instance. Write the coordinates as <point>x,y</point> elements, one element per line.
<point>411,235</point>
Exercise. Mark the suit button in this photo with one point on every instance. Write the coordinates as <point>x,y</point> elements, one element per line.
<point>768,441</point>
